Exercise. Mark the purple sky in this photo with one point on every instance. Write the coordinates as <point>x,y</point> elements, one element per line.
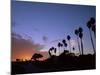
<point>46,23</point>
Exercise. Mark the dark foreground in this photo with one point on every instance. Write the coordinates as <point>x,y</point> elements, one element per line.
<point>54,64</point>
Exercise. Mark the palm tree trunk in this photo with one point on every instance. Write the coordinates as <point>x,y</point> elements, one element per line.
<point>92,41</point>
<point>94,34</point>
<point>82,46</point>
<point>59,50</point>
<point>63,48</point>
<point>78,45</point>
<point>49,53</point>
<point>70,46</point>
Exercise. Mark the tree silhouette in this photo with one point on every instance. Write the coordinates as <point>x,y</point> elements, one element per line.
<point>81,36</point>
<point>55,50</point>
<point>36,56</point>
<point>73,48</point>
<point>17,60</point>
<point>77,33</point>
<point>94,30</point>
<point>64,43</point>
<point>80,30</point>
<point>59,45</point>
<point>92,22</point>
<point>68,38</point>
<point>52,48</point>
<point>89,27</point>
<point>50,52</point>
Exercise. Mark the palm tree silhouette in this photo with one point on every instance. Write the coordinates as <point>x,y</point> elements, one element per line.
<point>50,52</point>
<point>77,33</point>
<point>64,43</point>
<point>73,48</point>
<point>81,36</point>
<point>92,21</point>
<point>59,45</point>
<point>55,50</point>
<point>94,30</point>
<point>80,30</point>
<point>89,27</point>
<point>68,38</point>
<point>52,48</point>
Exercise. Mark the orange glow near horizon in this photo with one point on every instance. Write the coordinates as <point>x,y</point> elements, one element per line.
<point>27,55</point>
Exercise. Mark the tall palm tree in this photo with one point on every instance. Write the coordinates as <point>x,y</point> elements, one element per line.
<point>77,32</point>
<point>68,38</point>
<point>52,48</point>
<point>59,45</point>
<point>55,50</point>
<point>92,21</point>
<point>80,30</point>
<point>94,30</point>
<point>89,27</point>
<point>64,43</point>
<point>73,48</point>
<point>50,52</point>
<point>81,36</point>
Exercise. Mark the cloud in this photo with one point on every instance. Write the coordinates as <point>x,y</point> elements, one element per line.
<point>22,48</point>
<point>56,40</point>
<point>45,38</point>
<point>36,29</point>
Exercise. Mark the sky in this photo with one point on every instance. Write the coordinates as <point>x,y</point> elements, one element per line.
<point>38,26</point>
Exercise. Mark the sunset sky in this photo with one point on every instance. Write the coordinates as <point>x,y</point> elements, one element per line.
<point>38,26</point>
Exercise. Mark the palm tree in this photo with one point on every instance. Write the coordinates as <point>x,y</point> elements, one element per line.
<point>93,26</point>
<point>59,45</point>
<point>81,36</point>
<point>55,50</point>
<point>50,52</point>
<point>77,32</point>
<point>92,21</point>
<point>73,48</point>
<point>64,43</point>
<point>52,48</point>
<point>80,30</point>
<point>89,26</point>
<point>68,38</point>
<point>94,30</point>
